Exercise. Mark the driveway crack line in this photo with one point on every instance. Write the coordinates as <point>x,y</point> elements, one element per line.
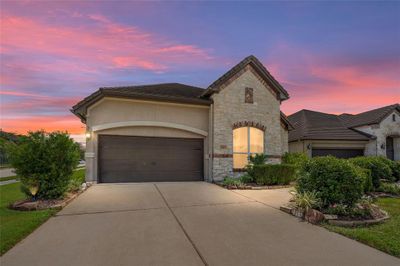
<point>101,212</point>
<point>181,226</point>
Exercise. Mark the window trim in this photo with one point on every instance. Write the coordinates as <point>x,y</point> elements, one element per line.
<point>248,146</point>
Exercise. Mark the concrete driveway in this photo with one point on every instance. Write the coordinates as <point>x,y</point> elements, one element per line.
<point>192,223</point>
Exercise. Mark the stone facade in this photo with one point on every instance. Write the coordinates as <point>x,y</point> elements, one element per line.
<point>386,128</point>
<point>230,110</point>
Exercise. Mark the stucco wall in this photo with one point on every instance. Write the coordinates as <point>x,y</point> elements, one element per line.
<point>110,110</point>
<point>230,107</point>
<point>387,127</point>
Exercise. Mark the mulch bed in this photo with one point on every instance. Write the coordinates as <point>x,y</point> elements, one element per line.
<point>29,205</point>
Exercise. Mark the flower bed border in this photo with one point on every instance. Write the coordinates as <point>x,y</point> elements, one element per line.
<point>28,205</point>
<point>250,187</point>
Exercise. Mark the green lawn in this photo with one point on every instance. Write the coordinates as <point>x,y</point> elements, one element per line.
<point>385,237</point>
<point>16,225</point>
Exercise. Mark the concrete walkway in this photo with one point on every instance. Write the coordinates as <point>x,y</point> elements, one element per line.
<point>193,223</point>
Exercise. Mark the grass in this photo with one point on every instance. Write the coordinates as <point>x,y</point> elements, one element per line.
<point>79,175</point>
<point>16,225</point>
<point>385,237</point>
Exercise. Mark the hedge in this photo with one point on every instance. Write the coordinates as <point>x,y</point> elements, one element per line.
<point>274,174</point>
<point>336,181</point>
<point>378,167</point>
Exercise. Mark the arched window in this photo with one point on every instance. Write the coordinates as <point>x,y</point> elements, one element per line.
<point>246,141</point>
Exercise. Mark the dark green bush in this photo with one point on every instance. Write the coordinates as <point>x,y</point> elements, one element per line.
<point>390,188</point>
<point>297,158</point>
<point>394,166</point>
<point>274,174</point>
<point>230,181</point>
<point>336,181</point>
<point>46,161</point>
<point>379,169</point>
<point>256,159</point>
<point>246,178</point>
<point>365,174</point>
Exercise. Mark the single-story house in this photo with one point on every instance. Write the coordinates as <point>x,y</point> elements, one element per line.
<point>372,133</point>
<point>177,132</point>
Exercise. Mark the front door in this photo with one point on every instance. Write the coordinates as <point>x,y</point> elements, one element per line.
<point>389,148</point>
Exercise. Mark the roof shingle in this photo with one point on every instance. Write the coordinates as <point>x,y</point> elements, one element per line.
<point>321,126</point>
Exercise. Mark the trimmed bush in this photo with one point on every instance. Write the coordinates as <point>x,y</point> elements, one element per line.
<point>274,174</point>
<point>379,169</point>
<point>394,166</point>
<point>45,162</point>
<point>336,181</point>
<point>390,188</point>
<point>365,174</point>
<point>297,158</point>
<point>246,178</point>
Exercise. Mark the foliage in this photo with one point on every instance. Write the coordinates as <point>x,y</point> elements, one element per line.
<point>257,159</point>
<point>230,181</point>
<point>366,176</point>
<point>336,181</point>
<point>5,139</point>
<point>77,179</point>
<point>348,212</point>
<point>274,174</point>
<point>16,225</point>
<point>385,236</point>
<point>297,158</point>
<point>307,200</point>
<point>246,178</point>
<point>379,169</point>
<point>390,188</point>
<point>45,160</point>
<point>394,167</point>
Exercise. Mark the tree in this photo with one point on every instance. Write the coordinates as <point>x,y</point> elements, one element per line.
<point>45,162</point>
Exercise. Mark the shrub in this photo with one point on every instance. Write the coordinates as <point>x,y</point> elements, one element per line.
<point>393,167</point>
<point>46,161</point>
<point>246,178</point>
<point>297,158</point>
<point>389,188</point>
<point>365,174</point>
<point>396,170</point>
<point>336,181</point>
<point>274,174</point>
<point>257,159</point>
<point>379,169</point>
<point>230,181</point>
<point>307,200</point>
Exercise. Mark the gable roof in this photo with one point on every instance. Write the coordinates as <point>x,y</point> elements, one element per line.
<point>370,117</point>
<point>259,68</point>
<point>167,92</point>
<point>312,125</point>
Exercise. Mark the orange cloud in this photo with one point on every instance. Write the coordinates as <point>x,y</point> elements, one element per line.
<point>22,125</point>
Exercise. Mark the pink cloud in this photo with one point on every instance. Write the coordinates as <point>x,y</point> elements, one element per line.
<point>328,84</point>
<point>103,43</point>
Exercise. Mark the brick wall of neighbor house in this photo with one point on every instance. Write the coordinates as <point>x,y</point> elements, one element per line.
<point>387,127</point>
<point>230,108</point>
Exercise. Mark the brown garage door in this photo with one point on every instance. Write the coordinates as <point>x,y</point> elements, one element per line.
<point>148,159</point>
<point>339,153</point>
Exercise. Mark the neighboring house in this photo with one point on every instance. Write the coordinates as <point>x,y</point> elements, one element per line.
<point>375,132</point>
<point>176,132</point>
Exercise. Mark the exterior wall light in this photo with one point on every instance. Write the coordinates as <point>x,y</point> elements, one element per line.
<point>88,135</point>
<point>309,147</point>
<point>383,146</point>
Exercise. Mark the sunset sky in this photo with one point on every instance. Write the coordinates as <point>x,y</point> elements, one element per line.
<point>333,57</point>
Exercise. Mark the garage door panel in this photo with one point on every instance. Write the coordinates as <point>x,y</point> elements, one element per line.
<point>147,159</point>
<point>339,153</point>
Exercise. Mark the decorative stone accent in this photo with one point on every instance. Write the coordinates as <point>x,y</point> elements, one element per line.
<point>298,212</point>
<point>249,124</point>
<point>248,95</point>
<point>330,217</point>
<point>345,223</point>
<point>222,155</point>
<point>314,216</point>
<point>287,209</point>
